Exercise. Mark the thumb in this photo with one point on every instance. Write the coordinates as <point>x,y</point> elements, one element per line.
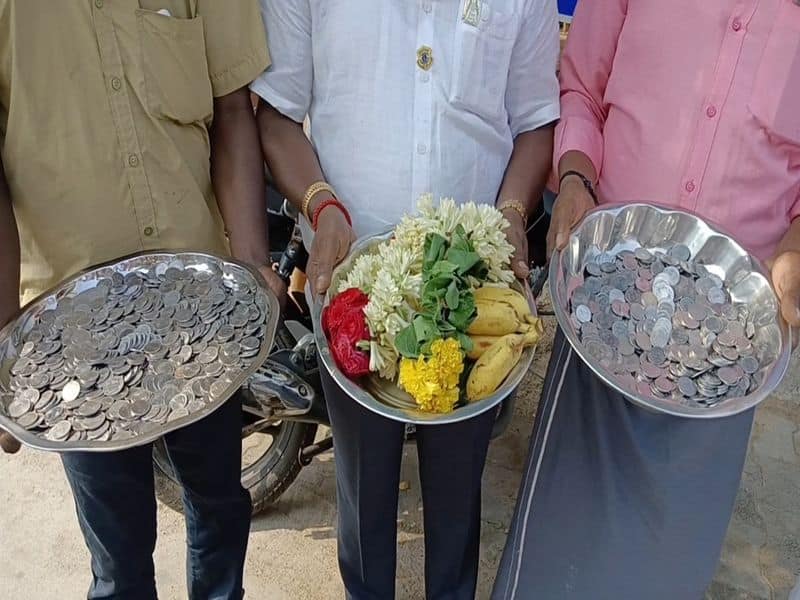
<point>790,305</point>
<point>559,231</point>
<point>785,279</point>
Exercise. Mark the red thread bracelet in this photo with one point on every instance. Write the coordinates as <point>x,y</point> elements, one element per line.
<point>325,204</point>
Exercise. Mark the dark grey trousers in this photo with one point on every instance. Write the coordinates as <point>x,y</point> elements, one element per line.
<point>368,450</point>
<point>618,503</point>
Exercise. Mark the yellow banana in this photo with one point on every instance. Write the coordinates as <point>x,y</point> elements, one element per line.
<point>497,361</point>
<point>507,295</point>
<point>480,344</point>
<point>496,318</point>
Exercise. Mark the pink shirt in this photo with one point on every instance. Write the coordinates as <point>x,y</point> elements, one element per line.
<point>693,104</point>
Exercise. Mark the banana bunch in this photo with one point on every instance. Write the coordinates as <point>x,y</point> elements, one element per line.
<point>503,328</point>
<point>501,311</point>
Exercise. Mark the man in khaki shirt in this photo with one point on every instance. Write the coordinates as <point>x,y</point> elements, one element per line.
<point>126,125</point>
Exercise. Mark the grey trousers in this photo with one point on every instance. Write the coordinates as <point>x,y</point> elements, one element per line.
<point>618,503</point>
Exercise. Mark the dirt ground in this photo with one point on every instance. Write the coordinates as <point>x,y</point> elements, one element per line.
<point>292,552</point>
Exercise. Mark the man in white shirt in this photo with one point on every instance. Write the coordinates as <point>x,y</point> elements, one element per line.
<point>406,97</point>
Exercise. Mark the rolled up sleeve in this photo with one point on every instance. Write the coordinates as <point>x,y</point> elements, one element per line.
<point>236,44</point>
<point>795,210</point>
<point>585,71</point>
<point>532,92</point>
<point>287,84</point>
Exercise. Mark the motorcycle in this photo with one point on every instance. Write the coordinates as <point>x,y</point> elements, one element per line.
<point>283,405</point>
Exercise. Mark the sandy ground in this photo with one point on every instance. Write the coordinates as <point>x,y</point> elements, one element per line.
<point>292,552</point>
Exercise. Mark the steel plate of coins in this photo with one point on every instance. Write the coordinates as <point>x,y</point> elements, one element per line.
<point>384,397</point>
<point>128,351</point>
<point>697,333</point>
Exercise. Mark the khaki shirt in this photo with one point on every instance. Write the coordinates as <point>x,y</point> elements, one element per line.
<point>105,107</point>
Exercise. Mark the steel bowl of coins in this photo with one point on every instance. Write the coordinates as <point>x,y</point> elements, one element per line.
<point>128,351</point>
<point>670,311</point>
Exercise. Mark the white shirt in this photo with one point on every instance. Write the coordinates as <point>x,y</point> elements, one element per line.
<point>387,130</point>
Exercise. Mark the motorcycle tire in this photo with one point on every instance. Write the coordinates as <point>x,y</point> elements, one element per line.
<point>266,478</point>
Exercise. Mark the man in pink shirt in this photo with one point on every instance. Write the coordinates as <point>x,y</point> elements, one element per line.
<point>694,105</point>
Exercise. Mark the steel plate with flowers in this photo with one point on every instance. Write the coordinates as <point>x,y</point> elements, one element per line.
<point>128,351</point>
<point>426,324</point>
<point>670,311</point>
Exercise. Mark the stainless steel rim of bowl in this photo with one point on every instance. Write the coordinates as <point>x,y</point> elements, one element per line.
<point>701,231</point>
<point>14,330</point>
<point>361,396</point>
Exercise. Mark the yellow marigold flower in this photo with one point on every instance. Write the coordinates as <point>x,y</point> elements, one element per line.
<point>433,381</point>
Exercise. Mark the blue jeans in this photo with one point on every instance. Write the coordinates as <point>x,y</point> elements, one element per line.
<point>115,500</point>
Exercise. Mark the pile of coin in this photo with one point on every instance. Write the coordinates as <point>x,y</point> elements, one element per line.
<point>134,352</point>
<point>666,327</point>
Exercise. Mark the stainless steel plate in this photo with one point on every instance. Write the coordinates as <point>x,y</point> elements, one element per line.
<point>384,397</point>
<point>617,228</point>
<point>11,339</point>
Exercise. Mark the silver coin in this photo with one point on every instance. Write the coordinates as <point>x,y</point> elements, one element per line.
<point>583,313</point>
<point>29,420</point>
<point>71,391</point>
<point>19,407</point>
<point>687,387</point>
<point>60,431</point>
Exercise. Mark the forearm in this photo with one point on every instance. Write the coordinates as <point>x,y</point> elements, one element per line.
<point>528,168</point>
<point>574,160</point>
<point>291,158</point>
<point>237,174</point>
<point>791,240</point>
<point>9,254</point>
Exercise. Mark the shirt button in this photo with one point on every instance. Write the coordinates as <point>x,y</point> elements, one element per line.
<point>737,24</point>
<point>425,77</point>
<point>690,186</point>
<point>422,148</point>
<point>427,7</point>
<point>711,112</point>
<point>116,83</point>
<point>148,231</point>
<point>133,160</point>
<point>98,3</point>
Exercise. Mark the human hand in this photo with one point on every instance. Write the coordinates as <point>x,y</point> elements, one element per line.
<point>517,236</point>
<point>332,241</point>
<point>785,273</point>
<point>275,284</point>
<point>573,202</point>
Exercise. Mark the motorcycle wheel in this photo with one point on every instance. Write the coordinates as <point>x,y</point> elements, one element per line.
<point>270,457</point>
<point>270,463</point>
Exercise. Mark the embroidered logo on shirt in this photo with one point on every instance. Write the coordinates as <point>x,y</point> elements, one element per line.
<point>425,58</point>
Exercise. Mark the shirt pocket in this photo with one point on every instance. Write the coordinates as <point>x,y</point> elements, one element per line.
<point>775,100</point>
<point>481,61</point>
<point>177,81</point>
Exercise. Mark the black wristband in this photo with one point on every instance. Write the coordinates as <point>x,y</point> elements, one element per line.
<point>585,180</point>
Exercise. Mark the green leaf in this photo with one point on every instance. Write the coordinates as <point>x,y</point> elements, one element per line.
<point>465,259</point>
<point>465,341</point>
<point>452,296</point>
<point>464,315</point>
<point>435,246</point>
<point>406,343</point>
<point>445,326</point>
<point>443,268</point>
<point>425,329</point>
<point>426,347</point>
